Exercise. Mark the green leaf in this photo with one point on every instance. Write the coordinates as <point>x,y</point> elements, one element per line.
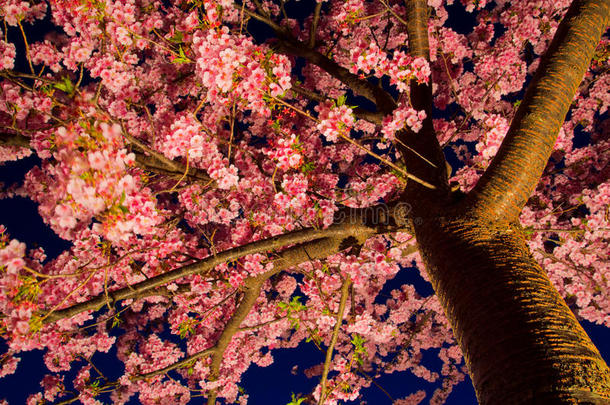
<point>359,349</point>
<point>177,38</point>
<point>47,89</point>
<point>116,321</point>
<point>35,323</point>
<point>181,57</point>
<point>186,328</point>
<point>65,86</point>
<point>296,400</point>
<point>308,167</point>
<point>29,290</point>
<point>341,100</point>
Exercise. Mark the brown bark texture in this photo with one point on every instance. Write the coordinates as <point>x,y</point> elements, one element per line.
<point>507,184</point>
<point>521,342</point>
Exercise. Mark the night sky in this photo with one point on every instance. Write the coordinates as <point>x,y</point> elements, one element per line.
<point>270,385</point>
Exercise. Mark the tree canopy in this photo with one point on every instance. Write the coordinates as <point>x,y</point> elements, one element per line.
<point>239,177</point>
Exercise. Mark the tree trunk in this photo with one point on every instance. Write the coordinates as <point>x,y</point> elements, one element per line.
<point>521,342</point>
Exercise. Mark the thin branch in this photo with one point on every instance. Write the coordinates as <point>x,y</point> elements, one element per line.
<point>260,325</point>
<point>163,161</point>
<point>469,114</point>
<point>265,20</point>
<point>27,47</point>
<point>182,363</point>
<point>392,165</point>
<point>252,291</point>
<point>368,151</point>
<point>314,25</point>
<point>372,380</point>
<point>333,340</point>
<point>154,163</point>
<point>399,18</point>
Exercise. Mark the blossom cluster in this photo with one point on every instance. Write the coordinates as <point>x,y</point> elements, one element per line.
<point>233,68</point>
<point>401,68</point>
<point>7,50</point>
<point>285,152</point>
<point>15,11</point>
<point>187,138</point>
<point>401,117</point>
<point>335,121</point>
<point>93,184</point>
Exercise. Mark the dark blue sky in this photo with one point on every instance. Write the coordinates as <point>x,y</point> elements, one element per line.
<point>271,385</point>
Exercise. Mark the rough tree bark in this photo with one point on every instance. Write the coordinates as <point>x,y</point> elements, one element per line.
<point>521,342</point>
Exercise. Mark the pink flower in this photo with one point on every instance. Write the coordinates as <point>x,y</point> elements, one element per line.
<point>97,160</point>
<point>15,11</point>
<point>65,216</point>
<point>7,55</point>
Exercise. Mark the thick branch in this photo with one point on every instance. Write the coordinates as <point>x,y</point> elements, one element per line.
<point>14,140</point>
<point>338,231</point>
<point>382,99</point>
<point>289,45</point>
<point>317,249</point>
<point>159,161</point>
<point>413,146</point>
<point>521,342</point>
<point>513,174</point>
<point>252,291</point>
<point>371,116</point>
<point>151,163</point>
<point>417,28</point>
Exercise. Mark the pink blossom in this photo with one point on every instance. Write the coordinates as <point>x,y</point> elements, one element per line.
<point>7,60</point>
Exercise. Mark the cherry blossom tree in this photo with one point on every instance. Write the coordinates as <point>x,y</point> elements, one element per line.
<point>239,177</point>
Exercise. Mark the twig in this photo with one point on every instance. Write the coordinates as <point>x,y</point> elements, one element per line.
<point>387,6</point>
<point>183,362</point>
<point>314,25</point>
<point>333,341</point>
